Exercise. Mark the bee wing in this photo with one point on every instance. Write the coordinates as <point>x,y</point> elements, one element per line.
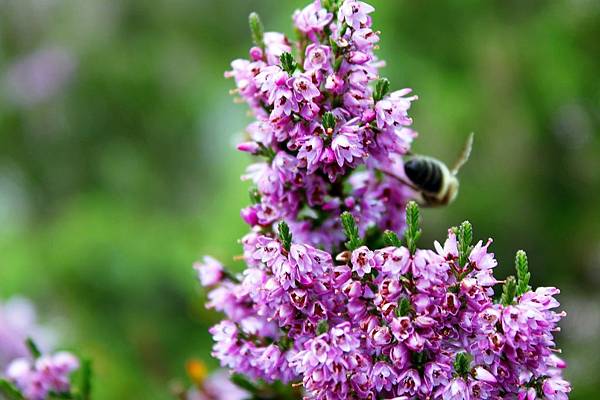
<point>464,156</point>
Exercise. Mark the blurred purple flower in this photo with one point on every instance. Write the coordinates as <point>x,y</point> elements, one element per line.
<point>39,76</point>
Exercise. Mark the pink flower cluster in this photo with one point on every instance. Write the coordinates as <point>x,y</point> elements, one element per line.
<point>39,378</point>
<point>377,321</point>
<point>317,119</point>
<point>385,324</point>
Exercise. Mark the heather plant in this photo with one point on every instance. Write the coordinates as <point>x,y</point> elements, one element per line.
<point>31,372</point>
<point>337,301</point>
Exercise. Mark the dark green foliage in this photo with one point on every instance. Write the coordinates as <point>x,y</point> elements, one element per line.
<point>382,87</point>
<point>33,348</point>
<point>404,307</point>
<point>256,29</point>
<point>322,327</point>
<point>351,230</point>
<point>462,364</point>
<point>10,391</point>
<point>464,239</point>
<point>509,290</point>
<point>288,64</point>
<point>413,226</point>
<point>84,382</point>
<point>328,120</point>
<point>391,239</point>
<point>523,274</point>
<point>285,235</point>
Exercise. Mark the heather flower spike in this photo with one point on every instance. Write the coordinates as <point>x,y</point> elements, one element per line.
<point>43,376</point>
<point>332,303</point>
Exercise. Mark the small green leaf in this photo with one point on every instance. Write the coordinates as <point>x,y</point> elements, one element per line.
<point>509,290</point>
<point>254,194</point>
<point>413,229</point>
<point>464,239</point>
<point>33,348</point>
<point>256,29</point>
<point>328,120</point>
<point>322,327</point>
<point>244,383</point>
<point>10,391</point>
<point>266,152</point>
<point>404,307</point>
<point>391,239</point>
<point>288,64</point>
<point>462,364</point>
<point>523,275</point>
<point>331,5</point>
<point>60,396</point>
<point>85,380</point>
<point>351,230</point>
<point>382,87</point>
<point>285,235</point>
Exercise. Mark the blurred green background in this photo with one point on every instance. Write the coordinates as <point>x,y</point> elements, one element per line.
<point>117,166</point>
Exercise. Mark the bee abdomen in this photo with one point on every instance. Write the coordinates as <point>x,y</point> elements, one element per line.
<point>425,173</point>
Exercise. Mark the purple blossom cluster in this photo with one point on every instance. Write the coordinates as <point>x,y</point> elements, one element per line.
<point>317,119</point>
<point>386,324</point>
<point>48,374</point>
<point>378,320</point>
<point>18,320</point>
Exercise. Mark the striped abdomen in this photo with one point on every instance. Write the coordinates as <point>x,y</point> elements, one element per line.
<point>425,173</point>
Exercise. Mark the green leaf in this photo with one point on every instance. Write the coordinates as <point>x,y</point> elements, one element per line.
<point>254,195</point>
<point>391,239</point>
<point>328,121</point>
<point>60,396</point>
<point>244,383</point>
<point>464,239</point>
<point>413,229</point>
<point>256,29</point>
<point>523,275</point>
<point>266,152</point>
<point>33,348</point>
<point>322,327</point>
<point>331,5</point>
<point>351,230</point>
<point>85,380</point>
<point>285,235</point>
<point>382,87</point>
<point>404,307</point>
<point>509,290</point>
<point>462,364</point>
<point>10,391</point>
<point>288,64</point>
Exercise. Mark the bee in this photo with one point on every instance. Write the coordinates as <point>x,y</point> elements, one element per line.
<point>437,184</point>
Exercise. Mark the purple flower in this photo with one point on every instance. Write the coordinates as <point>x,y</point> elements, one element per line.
<point>363,261</point>
<point>556,388</point>
<point>456,389</point>
<point>383,376</point>
<point>409,382</point>
<point>355,13</point>
<point>210,271</point>
<point>49,373</point>
<point>347,147</point>
<point>313,18</point>
<point>304,89</point>
<point>18,321</point>
<point>317,58</point>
